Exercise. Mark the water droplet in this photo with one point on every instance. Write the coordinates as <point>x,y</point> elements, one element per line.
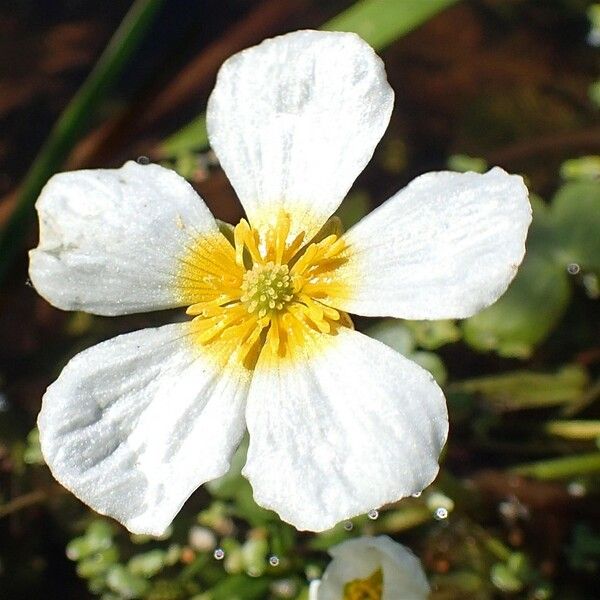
<point>373,514</point>
<point>274,561</point>
<point>348,526</point>
<point>143,160</point>
<point>417,495</point>
<point>573,268</point>
<point>219,554</point>
<point>441,513</point>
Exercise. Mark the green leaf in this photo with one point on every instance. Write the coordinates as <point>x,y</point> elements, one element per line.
<point>241,587</point>
<point>504,579</point>
<point>191,136</point>
<point>433,334</point>
<point>98,537</point>
<point>526,389</point>
<point>534,302</point>
<point>432,363</point>
<point>147,564</point>
<point>125,583</point>
<point>97,564</point>
<point>526,314</point>
<point>353,208</point>
<point>582,168</point>
<point>393,333</point>
<point>576,221</point>
<point>463,163</point>
<point>226,487</point>
<point>33,451</point>
<point>398,335</point>
<point>254,555</point>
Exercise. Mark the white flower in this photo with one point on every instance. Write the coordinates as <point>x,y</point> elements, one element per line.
<point>338,422</point>
<point>369,568</point>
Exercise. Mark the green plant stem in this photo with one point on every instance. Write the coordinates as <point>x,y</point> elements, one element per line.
<point>73,121</point>
<point>574,430</point>
<point>560,468</point>
<point>380,22</point>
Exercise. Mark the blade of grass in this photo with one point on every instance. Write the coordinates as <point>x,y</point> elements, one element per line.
<point>574,430</point>
<point>378,22</point>
<point>73,121</point>
<point>560,468</point>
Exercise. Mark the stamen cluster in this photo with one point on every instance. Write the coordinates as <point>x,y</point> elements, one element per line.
<point>370,588</point>
<point>267,288</point>
<point>264,290</point>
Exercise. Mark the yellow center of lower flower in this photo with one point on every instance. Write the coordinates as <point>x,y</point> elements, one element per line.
<point>262,291</point>
<point>370,588</point>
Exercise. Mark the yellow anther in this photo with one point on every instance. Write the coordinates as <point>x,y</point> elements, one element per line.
<point>370,588</point>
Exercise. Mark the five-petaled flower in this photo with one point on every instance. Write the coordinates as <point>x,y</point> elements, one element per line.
<point>338,422</point>
<point>371,568</point>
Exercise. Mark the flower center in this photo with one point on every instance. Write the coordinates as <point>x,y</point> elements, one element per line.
<point>370,588</point>
<point>261,291</point>
<point>267,288</point>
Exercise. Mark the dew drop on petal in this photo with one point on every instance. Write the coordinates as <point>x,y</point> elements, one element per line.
<point>143,160</point>
<point>348,526</point>
<point>441,513</point>
<point>573,268</point>
<point>417,495</point>
<point>373,514</point>
<point>274,561</point>
<point>219,554</point>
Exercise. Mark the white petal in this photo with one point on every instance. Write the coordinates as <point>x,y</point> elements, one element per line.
<point>444,247</point>
<point>348,426</point>
<point>403,575</point>
<point>134,425</point>
<point>295,119</point>
<point>111,239</point>
<point>402,571</point>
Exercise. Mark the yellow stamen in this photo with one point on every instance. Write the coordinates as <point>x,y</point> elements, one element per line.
<point>263,294</point>
<point>370,588</point>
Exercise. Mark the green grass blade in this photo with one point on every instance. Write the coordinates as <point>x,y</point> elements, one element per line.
<point>565,467</point>
<point>379,22</point>
<point>73,121</point>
